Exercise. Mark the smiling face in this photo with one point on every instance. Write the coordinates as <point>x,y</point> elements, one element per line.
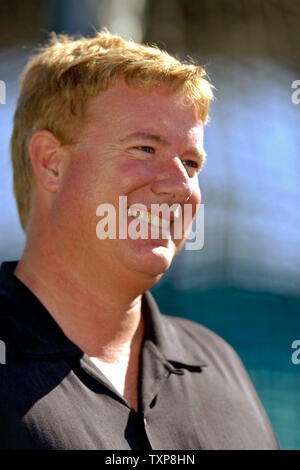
<point>145,146</point>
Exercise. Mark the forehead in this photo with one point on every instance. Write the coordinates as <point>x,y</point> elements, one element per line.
<point>127,109</point>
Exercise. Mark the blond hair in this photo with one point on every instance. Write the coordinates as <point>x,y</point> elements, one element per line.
<point>58,81</point>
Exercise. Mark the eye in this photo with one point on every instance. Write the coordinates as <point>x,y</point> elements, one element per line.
<point>192,164</point>
<point>145,148</point>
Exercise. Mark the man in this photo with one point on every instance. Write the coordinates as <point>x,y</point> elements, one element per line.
<point>91,363</point>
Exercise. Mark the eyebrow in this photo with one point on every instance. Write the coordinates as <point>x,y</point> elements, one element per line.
<point>145,135</point>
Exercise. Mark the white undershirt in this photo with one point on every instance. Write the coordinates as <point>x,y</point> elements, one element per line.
<point>114,372</point>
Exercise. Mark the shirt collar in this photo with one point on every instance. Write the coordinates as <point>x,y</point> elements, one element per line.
<point>38,335</point>
<point>168,337</point>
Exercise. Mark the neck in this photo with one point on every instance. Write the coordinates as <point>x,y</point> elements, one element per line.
<point>98,314</point>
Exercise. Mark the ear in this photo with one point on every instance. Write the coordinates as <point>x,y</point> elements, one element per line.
<point>46,154</point>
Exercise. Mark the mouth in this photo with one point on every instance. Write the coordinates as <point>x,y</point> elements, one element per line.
<point>146,217</point>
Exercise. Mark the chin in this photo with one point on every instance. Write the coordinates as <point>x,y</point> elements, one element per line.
<point>154,262</point>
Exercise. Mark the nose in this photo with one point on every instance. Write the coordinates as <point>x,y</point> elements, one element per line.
<point>173,181</point>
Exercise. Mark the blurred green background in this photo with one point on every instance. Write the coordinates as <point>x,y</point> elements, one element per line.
<point>244,283</point>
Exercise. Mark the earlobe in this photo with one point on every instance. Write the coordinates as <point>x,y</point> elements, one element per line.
<point>45,155</point>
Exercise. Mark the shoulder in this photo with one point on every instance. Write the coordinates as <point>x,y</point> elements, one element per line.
<point>196,335</point>
<point>196,342</point>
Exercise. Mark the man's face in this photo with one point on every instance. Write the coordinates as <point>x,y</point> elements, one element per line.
<point>145,146</point>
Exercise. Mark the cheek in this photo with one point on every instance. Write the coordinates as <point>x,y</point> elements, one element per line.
<point>78,197</point>
<point>135,173</point>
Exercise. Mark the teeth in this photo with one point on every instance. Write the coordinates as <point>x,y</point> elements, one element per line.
<point>148,218</point>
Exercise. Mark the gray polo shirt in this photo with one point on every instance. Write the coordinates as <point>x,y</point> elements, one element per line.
<point>194,392</point>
